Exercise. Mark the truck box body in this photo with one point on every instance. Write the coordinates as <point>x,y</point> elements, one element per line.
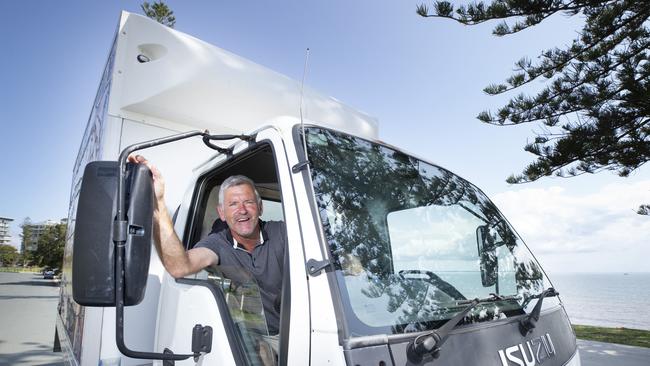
<point>187,84</point>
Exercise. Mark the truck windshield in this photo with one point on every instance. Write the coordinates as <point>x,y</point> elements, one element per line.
<point>411,242</point>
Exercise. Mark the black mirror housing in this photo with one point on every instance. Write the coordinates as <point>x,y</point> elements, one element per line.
<point>93,263</point>
<point>487,257</point>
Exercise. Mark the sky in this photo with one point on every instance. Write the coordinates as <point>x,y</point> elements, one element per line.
<point>421,78</point>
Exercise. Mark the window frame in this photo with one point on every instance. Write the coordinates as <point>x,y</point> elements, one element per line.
<point>192,234</point>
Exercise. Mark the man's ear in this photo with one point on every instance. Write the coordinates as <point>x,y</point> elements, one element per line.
<point>261,209</point>
<point>222,216</point>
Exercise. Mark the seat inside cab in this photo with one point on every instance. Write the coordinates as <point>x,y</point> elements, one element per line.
<point>257,164</point>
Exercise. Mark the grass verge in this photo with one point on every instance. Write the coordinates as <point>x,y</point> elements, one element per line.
<point>21,269</point>
<point>627,336</point>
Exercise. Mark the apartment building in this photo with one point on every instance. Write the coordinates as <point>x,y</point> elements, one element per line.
<point>5,230</point>
<point>36,230</point>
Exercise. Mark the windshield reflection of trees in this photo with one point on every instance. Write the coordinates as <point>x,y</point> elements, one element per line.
<point>358,183</point>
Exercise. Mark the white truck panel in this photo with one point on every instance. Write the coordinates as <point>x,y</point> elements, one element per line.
<point>91,342</point>
<point>191,82</point>
<point>183,306</point>
<point>299,327</point>
<point>175,163</point>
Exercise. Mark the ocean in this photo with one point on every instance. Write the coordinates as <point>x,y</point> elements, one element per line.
<point>605,299</point>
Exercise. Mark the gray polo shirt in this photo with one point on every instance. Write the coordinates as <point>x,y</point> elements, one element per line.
<point>264,264</point>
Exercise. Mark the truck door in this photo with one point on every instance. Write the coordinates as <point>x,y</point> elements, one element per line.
<point>231,304</point>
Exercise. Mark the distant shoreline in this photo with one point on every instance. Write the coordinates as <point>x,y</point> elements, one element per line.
<point>625,336</point>
<point>608,300</point>
<point>591,272</point>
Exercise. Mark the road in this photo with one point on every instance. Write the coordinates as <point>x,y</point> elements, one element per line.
<point>28,314</point>
<point>28,317</point>
<point>609,354</point>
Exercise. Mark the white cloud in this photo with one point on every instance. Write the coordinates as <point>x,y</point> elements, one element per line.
<point>597,231</point>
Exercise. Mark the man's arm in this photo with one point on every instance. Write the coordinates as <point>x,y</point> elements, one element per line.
<point>177,261</point>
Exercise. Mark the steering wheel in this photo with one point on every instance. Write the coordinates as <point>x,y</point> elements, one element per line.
<point>433,279</point>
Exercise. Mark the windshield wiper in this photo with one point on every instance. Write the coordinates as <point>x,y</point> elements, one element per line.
<point>430,342</point>
<point>529,322</point>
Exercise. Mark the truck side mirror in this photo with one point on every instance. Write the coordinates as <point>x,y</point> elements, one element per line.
<point>93,263</point>
<point>487,256</point>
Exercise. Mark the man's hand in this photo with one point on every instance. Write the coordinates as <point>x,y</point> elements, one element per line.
<point>158,181</point>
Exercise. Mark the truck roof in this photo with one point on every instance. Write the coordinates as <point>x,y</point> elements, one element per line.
<point>163,76</point>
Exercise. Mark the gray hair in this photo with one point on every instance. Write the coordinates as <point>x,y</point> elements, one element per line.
<point>237,180</point>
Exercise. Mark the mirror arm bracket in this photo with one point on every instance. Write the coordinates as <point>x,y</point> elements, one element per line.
<point>314,267</point>
<point>120,231</point>
<point>300,166</point>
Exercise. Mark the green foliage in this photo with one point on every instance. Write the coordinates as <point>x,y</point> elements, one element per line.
<point>51,243</point>
<point>8,255</point>
<point>160,12</point>
<point>627,336</point>
<point>598,86</point>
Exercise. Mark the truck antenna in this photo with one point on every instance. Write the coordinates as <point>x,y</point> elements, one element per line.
<point>302,87</point>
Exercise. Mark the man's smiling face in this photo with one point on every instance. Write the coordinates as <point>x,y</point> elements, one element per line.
<point>241,212</point>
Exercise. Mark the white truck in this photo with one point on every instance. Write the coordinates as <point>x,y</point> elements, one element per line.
<point>390,260</point>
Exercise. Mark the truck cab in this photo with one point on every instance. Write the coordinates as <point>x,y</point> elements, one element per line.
<point>382,249</point>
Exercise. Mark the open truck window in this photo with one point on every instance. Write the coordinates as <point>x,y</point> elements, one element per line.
<point>241,291</point>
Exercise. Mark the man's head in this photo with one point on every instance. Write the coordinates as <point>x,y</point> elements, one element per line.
<point>240,206</point>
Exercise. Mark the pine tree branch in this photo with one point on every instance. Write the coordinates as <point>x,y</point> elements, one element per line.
<point>464,21</point>
<point>604,149</point>
<point>607,71</point>
<point>609,149</point>
<point>519,179</point>
<point>571,7</point>
<point>534,76</point>
<point>601,76</point>
<point>599,101</point>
